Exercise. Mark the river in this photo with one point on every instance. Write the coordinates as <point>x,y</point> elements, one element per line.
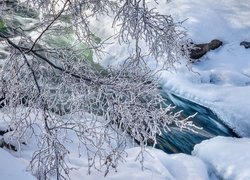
<point>183,141</point>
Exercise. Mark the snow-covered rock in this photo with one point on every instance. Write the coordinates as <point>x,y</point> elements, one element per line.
<point>228,157</point>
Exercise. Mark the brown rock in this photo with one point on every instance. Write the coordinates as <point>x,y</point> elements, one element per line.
<point>214,44</point>
<point>200,50</point>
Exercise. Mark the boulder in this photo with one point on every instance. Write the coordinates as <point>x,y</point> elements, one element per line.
<point>214,44</point>
<point>200,50</point>
<point>3,143</point>
<point>245,44</point>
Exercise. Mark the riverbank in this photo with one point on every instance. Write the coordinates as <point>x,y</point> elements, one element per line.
<point>221,78</point>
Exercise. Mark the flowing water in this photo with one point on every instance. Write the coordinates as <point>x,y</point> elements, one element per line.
<point>177,140</point>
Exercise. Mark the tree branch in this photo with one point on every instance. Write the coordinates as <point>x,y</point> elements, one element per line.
<point>24,50</point>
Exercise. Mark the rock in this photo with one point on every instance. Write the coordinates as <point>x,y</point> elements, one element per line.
<point>214,44</point>
<point>4,131</point>
<point>245,44</point>
<point>3,144</point>
<point>200,50</point>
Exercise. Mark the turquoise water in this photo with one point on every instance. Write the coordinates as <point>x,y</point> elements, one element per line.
<point>177,140</point>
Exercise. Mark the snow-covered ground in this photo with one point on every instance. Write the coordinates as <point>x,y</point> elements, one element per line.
<point>217,158</point>
<point>157,164</point>
<point>12,168</point>
<point>228,158</point>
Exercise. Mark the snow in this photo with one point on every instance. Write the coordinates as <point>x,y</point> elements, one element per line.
<point>225,19</point>
<point>216,158</point>
<point>229,158</point>
<point>157,165</point>
<point>12,168</point>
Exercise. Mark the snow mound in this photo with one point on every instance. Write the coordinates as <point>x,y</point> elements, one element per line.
<point>12,168</point>
<point>229,158</point>
<point>157,165</point>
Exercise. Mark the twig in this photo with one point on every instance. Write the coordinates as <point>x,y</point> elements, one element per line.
<point>27,50</point>
<point>50,24</point>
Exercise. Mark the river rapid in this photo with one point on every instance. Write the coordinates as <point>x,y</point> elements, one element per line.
<point>183,141</point>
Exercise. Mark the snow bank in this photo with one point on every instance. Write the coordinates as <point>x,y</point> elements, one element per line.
<point>208,19</point>
<point>217,158</point>
<point>229,158</point>
<point>158,165</point>
<point>221,80</point>
<point>12,168</point>
<point>220,157</point>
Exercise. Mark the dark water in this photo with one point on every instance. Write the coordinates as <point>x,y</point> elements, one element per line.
<point>178,141</point>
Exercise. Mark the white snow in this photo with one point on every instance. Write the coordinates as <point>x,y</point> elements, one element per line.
<point>229,158</point>
<point>12,168</point>
<point>158,165</point>
<point>217,158</point>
